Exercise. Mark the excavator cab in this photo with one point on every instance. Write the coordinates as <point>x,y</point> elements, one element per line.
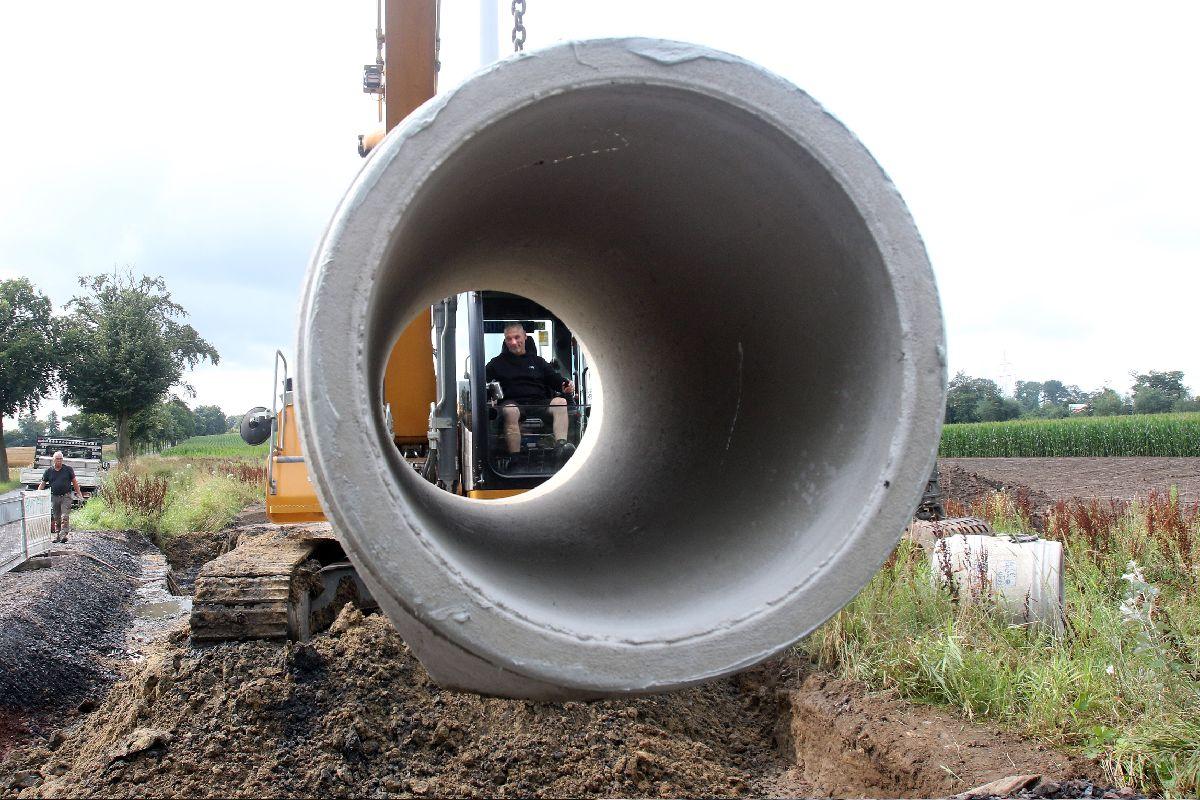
<point>490,467</point>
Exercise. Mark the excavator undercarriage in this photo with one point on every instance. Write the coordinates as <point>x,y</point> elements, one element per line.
<point>285,583</point>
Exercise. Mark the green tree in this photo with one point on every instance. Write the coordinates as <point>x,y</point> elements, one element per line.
<point>209,420</point>
<point>231,423</point>
<point>183,421</point>
<point>161,425</point>
<point>965,396</point>
<point>1028,395</point>
<point>127,348</point>
<point>53,428</point>
<point>1158,390</point>
<point>1107,403</point>
<point>28,335</point>
<point>996,409</point>
<point>91,426</point>
<point>29,428</point>
<point>1151,400</point>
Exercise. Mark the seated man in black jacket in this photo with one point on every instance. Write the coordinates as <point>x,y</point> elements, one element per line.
<point>526,379</point>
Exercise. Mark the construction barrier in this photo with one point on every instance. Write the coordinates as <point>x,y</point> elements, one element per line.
<point>24,527</point>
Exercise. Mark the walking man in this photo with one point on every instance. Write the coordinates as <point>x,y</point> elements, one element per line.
<point>61,479</point>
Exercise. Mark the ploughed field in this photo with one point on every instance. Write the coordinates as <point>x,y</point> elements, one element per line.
<point>1127,478</point>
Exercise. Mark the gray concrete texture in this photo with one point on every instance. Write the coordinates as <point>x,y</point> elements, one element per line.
<point>759,305</point>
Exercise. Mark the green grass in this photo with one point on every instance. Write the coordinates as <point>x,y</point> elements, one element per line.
<point>202,494</point>
<point>1135,435</point>
<point>221,445</point>
<point>1113,687</point>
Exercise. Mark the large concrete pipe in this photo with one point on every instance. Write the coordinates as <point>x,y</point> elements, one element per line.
<point>759,305</point>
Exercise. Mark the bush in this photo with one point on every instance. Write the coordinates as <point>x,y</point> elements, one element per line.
<point>209,504</point>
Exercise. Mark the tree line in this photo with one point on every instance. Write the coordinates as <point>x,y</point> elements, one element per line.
<point>115,353</point>
<point>971,399</point>
<point>161,425</point>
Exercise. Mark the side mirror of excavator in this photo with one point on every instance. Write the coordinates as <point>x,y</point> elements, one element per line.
<point>256,426</point>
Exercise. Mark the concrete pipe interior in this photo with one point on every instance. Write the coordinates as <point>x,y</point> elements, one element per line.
<point>759,306</point>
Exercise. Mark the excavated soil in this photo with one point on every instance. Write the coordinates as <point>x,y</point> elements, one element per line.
<point>61,627</point>
<point>1104,478</point>
<point>353,713</point>
<point>187,552</point>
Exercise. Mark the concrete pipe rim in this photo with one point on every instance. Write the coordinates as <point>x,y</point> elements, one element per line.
<point>411,571</point>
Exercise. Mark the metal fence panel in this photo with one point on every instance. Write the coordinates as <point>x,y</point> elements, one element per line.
<point>37,521</point>
<point>24,527</point>
<point>12,542</point>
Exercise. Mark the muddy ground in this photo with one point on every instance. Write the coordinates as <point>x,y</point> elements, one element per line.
<point>1068,478</point>
<point>353,713</point>
<point>61,627</point>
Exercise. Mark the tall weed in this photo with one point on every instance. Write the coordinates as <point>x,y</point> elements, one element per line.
<point>163,497</point>
<point>1122,683</point>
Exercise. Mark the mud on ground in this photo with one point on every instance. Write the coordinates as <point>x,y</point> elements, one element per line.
<point>59,626</point>
<point>187,552</point>
<point>1104,478</point>
<point>353,713</point>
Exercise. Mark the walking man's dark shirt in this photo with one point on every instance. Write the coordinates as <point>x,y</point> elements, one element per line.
<point>59,480</point>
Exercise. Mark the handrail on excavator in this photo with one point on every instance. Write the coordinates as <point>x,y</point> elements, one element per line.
<point>277,430</point>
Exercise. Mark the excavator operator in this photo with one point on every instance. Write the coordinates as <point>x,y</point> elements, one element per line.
<point>526,379</point>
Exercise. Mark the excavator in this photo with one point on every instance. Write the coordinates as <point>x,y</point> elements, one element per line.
<point>724,275</point>
<point>441,409</point>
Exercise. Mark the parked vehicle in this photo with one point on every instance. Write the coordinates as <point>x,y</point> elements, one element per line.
<point>85,456</point>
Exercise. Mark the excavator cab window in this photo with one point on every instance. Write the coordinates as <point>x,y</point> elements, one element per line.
<point>521,443</point>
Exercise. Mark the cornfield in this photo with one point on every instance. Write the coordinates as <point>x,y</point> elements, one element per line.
<point>1136,435</point>
<point>221,445</point>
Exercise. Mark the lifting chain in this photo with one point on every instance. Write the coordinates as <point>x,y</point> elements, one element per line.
<point>518,31</point>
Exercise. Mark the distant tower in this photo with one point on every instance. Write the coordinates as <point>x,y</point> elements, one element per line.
<point>1008,383</point>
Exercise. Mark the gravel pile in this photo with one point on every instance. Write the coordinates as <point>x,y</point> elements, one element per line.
<point>61,626</point>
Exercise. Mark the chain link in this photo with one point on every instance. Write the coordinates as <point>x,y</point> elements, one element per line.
<point>518,31</point>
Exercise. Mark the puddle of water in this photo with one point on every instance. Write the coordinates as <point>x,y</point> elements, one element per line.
<point>156,612</point>
<point>165,610</point>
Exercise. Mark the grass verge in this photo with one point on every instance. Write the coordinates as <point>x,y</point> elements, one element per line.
<point>1122,684</point>
<point>163,497</point>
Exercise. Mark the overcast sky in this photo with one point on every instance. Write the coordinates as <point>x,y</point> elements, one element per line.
<point>1048,152</point>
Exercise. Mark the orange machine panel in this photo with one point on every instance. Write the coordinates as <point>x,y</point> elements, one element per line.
<point>293,498</point>
<point>409,385</point>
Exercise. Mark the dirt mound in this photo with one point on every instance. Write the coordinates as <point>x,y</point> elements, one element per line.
<point>58,625</point>
<point>971,489</point>
<point>352,712</point>
<point>879,746</point>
